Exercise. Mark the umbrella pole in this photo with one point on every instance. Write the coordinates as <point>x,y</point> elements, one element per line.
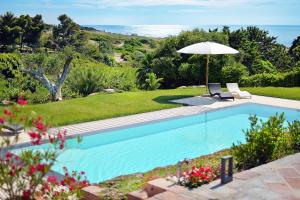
<point>206,77</point>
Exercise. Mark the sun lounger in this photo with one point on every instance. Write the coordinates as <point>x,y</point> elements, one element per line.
<point>215,90</point>
<point>235,90</point>
<point>14,128</point>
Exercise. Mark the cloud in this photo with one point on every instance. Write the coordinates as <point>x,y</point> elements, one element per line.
<point>145,3</point>
<point>187,11</point>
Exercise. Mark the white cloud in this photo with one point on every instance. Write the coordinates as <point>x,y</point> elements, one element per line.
<point>144,3</point>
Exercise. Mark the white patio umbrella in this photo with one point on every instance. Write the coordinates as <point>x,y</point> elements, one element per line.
<point>207,48</point>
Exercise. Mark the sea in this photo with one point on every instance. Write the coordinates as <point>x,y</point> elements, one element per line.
<point>285,33</point>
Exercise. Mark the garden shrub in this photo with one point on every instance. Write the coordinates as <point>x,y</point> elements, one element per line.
<point>262,66</point>
<point>288,79</point>
<point>262,80</point>
<point>294,131</point>
<point>233,73</point>
<point>9,65</point>
<point>121,78</point>
<point>84,81</point>
<point>91,78</point>
<point>152,82</point>
<point>267,141</point>
<point>40,95</point>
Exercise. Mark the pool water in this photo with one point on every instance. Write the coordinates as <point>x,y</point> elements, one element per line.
<point>141,148</point>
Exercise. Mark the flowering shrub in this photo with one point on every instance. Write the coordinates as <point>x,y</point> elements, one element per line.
<point>26,175</point>
<point>198,176</point>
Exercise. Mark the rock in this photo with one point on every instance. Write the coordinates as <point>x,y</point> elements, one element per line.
<point>93,94</point>
<point>109,90</point>
<point>182,87</point>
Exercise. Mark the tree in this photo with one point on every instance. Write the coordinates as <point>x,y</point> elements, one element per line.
<point>34,31</point>
<point>22,30</point>
<point>254,43</point>
<point>67,33</point>
<point>233,73</point>
<point>37,64</point>
<point>9,31</point>
<point>294,50</point>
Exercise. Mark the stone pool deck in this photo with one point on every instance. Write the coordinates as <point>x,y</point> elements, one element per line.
<point>276,180</point>
<point>194,105</point>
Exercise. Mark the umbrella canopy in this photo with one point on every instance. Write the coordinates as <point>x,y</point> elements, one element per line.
<point>207,48</point>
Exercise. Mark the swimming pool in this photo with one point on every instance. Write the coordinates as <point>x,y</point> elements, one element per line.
<point>143,147</point>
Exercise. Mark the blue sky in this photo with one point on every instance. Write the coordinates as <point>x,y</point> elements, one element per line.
<point>185,12</point>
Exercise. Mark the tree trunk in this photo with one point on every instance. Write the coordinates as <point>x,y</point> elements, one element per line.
<point>53,88</point>
<point>56,94</point>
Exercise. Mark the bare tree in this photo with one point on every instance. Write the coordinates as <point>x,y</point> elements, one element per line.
<point>53,87</point>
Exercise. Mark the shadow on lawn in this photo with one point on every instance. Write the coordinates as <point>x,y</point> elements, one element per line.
<point>166,99</point>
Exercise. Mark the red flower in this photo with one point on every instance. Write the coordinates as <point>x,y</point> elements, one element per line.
<point>31,171</point>
<point>8,155</point>
<point>21,101</point>
<point>35,137</point>
<point>52,180</point>
<point>84,183</point>
<point>40,126</point>
<point>61,145</point>
<point>63,182</point>
<point>51,138</point>
<point>41,167</point>
<point>1,120</point>
<point>46,186</point>
<point>26,194</point>
<point>7,112</point>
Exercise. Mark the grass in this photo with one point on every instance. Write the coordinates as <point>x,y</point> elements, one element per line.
<point>280,92</point>
<point>103,106</point>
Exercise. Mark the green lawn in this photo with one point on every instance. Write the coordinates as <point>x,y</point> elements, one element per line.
<point>286,93</point>
<point>104,106</point>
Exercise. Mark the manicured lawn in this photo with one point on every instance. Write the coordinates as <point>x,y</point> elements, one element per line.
<point>281,92</point>
<point>104,106</point>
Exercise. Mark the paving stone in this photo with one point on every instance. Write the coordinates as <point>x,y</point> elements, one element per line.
<point>245,175</point>
<point>293,182</point>
<point>170,196</point>
<point>288,173</point>
<point>280,188</point>
<point>296,166</point>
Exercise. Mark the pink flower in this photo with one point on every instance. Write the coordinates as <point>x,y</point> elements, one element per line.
<point>1,120</point>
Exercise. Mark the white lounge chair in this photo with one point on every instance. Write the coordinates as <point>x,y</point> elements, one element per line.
<point>235,90</point>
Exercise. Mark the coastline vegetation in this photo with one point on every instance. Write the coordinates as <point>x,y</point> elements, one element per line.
<point>78,61</point>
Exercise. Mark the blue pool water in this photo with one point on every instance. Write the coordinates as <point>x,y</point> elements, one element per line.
<point>144,147</point>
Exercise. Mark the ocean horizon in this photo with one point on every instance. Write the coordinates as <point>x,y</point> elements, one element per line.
<point>285,33</point>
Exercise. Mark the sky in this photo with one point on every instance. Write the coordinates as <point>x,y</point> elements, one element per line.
<point>165,12</point>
